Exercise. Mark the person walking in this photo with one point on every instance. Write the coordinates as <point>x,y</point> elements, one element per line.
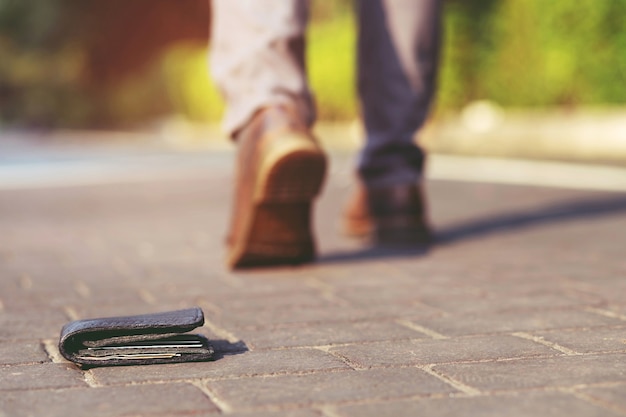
<point>258,63</point>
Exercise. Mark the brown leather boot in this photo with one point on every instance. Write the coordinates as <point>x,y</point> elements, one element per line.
<point>280,170</point>
<point>392,215</point>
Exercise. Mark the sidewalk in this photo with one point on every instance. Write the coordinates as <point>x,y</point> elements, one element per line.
<point>520,310</point>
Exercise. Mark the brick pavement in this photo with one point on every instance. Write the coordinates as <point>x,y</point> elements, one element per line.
<point>521,310</point>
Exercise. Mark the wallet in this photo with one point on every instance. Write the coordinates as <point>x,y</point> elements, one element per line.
<point>136,340</point>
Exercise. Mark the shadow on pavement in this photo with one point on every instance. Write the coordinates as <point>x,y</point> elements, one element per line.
<point>371,254</point>
<point>225,348</point>
<point>507,222</point>
<point>556,213</point>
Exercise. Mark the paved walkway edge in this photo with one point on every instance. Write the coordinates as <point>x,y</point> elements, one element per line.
<point>138,168</point>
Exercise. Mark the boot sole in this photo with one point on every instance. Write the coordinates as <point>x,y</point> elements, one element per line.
<point>277,230</point>
<point>402,231</point>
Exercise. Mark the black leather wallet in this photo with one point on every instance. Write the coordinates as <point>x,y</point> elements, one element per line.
<point>136,340</point>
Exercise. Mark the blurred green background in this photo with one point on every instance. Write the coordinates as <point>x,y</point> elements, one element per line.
<point>125,64</point>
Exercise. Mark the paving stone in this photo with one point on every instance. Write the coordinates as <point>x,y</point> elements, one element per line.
<point>193,288</point>
<point>22,302</point>
<point>108,309</point>
<point>363,263</point>
<point>132,400</point>
<point>399,310</point>
<point>278,280</point>
<point>327,387</point>
<point>22,352</point>
<point>519,300</point>
<point>618,309</point>
<point>519,405</point>
<point>596,339</point>
<point>44,288</point>
<point>428,351</point>
<point>230,366</point>
<point>300,412</point>
<point>107,291</point>
<point>358,292</point>
<point>304,298</point>
<point>488,290</point>
<point>177,414</point>
<point>31,325</point>
<point>316,334</point>
<point>536,373</point>
<point>609,285</point>
<point>468,324</point>
<point>614,395</point>
<point>47,375</point>
<point>329,313</point>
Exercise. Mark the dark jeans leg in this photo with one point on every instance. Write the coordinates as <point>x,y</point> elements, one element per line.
<point>398,52</point>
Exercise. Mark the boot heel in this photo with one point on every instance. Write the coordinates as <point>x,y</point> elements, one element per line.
<point>279,234</point>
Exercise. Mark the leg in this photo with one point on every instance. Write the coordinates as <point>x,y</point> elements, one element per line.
<point>258,62</point>
<point>397,63</point>
<point>257,57</point>
<point>398,52</point>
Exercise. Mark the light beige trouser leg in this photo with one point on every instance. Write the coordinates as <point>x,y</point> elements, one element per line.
<point>257,57</point>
